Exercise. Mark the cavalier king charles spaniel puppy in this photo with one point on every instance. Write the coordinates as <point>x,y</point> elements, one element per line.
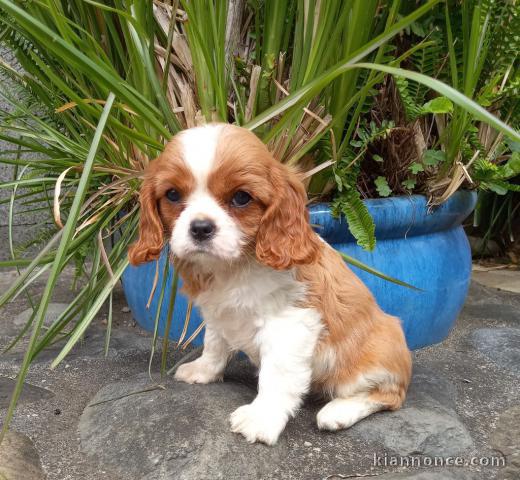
<point>267,284</point>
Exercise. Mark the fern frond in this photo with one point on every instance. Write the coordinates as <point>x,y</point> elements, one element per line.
<point>412,109</point>
<point>360,222</point>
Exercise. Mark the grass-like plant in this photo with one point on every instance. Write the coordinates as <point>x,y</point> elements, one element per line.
<point>105,84</point>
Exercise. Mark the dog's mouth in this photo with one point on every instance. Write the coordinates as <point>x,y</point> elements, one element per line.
<point>198,251</point>
<point>204,252</point>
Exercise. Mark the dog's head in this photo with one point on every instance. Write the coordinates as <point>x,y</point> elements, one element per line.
<point>217,193</point>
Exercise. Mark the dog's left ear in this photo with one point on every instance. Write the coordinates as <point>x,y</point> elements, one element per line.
<point>285,237</point>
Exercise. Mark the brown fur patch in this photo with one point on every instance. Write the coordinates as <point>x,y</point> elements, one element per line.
<point>158,214</point>
<point>194,279</point>
<point>242,163</point>
<point>363,338</point>
<point>276,223</point>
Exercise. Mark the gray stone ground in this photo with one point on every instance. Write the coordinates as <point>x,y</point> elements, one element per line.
<point>103,418</point>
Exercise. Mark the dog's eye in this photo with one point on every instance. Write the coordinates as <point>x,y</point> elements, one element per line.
<point>173,195</point>
<point>240,199</point>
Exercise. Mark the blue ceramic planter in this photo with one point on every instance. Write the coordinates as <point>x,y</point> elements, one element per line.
<point>427,250</point>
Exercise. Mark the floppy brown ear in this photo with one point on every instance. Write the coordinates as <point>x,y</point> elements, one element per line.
<point>285,237</point>
<point>151,231</point>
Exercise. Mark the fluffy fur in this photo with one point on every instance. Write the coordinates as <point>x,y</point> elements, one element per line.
<point>267,285</point>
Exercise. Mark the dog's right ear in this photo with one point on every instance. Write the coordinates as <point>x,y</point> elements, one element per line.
<point>285,237</point>
<point>151,231</point>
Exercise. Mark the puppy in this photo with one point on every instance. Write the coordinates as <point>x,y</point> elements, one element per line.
<point>267,285</point>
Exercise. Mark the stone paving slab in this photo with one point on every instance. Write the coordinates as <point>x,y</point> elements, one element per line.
<point>428,475</point>
<point>502,279</point>
<point>506,440</point>
<point>30,393</point>
<point>462,401</point>
<point>19,458</point>
<point>500,345</point>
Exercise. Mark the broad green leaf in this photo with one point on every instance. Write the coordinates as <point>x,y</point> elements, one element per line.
<point>409,183</point>
<point>438,105</point>
<point>498,187</point>
<point>433,158</point>
<point>512,167</point>
<point>382,186</point>
<point>415,168</point>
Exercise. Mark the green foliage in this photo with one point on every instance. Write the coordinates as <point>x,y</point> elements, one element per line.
<point>427,60</point>
<point>494,177</point>
<point>495,218</point>
<point>487,68</point>
<point>433,158</point>
<point>409,183</point>
<point>368,134</point>
<point>408,99</point>
<point>207,37</point>
<point>360,222</point>
<point>413,109</point>
<point>348,201</point>
<point>512,167</point>
<point>383,188</point>
<point>437,105</point>
<point>415,168</point>
<point>474,45</point>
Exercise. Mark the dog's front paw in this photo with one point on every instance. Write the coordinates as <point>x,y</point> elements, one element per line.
<point>196,372</point>
<point>257,423</point>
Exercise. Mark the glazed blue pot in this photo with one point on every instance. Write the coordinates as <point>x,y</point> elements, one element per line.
<point>427,250</point>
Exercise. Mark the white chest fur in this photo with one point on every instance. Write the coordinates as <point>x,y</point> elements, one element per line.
<point>243,303</point>
<point>256,310</point>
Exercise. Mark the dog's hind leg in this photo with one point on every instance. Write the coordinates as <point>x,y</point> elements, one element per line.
<point>344,411</point>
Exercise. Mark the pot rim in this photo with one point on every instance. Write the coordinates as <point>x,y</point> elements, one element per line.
<point>397,217</point>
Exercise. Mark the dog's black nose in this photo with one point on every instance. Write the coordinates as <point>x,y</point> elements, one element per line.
<point>202,230</point>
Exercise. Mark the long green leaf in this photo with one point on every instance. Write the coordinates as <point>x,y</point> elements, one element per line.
<point>85,322</point>
<point>68,53</point>
<point>160,301</point>
<point>455,96</point>
<point>312,88</point>
<point>68,232</point>
<point>169,318</point>
<point>373,271</point>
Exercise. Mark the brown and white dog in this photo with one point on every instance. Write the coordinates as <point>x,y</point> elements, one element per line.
<point>267,285</point>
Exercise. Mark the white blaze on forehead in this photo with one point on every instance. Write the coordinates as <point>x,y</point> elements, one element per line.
<point>198,149</point>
